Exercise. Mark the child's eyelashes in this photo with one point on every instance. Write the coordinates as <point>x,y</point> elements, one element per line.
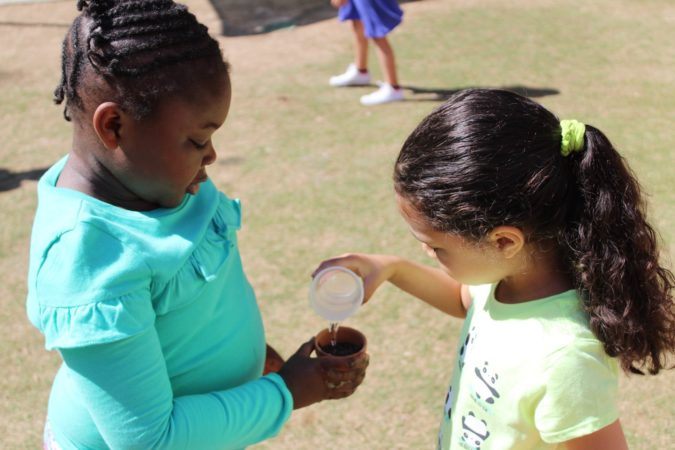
<point>198,145</point>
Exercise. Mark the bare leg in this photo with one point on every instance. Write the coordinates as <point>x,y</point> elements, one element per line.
<point>387,60</point>
<point>360,45</point>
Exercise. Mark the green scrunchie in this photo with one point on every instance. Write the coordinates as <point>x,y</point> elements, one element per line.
<point>572,136</point>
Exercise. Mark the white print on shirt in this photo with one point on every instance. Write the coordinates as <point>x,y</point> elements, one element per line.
<point>474,431</point>
<point>484,384</point>
<point>464,350</point>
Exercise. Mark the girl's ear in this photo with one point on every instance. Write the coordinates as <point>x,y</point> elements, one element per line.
<point>107,122</point>
<point>507,240</point>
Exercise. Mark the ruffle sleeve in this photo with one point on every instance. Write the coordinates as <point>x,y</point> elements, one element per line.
<point>210,257</point>
<point>220,237</point>
<point>89,289</point>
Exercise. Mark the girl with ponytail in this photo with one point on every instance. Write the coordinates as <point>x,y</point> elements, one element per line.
<point>539,229</point>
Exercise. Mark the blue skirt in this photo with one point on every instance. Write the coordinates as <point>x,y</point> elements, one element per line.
<point>379,17</point>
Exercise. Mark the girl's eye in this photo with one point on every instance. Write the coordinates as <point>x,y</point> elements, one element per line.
<point>199,146</point>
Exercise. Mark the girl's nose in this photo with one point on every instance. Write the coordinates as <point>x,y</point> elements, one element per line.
<point>211,156</point>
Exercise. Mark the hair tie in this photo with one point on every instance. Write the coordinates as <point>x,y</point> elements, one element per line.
<point>572,132</point>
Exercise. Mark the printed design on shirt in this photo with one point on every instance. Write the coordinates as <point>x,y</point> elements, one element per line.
<point>449,399</point>
<point>447,413</point>
<point>468,342</point>
<point>484,383</point>
<point>474,431</point>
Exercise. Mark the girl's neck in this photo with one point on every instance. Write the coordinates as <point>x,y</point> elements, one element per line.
<point>542,275</point>
<point>84,173</point>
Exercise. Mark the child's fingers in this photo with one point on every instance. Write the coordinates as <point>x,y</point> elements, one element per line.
<point>306,349</point>
<point>327,263</point>
<point>361,363</point>
<point>335,376</point>
<point>370,285</point>
<point>343,389</point>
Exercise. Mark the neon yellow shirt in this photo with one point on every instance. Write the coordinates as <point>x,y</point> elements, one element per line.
<point>527,376</point>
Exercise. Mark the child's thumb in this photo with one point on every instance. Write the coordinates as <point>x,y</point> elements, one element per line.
<point>307,348</point>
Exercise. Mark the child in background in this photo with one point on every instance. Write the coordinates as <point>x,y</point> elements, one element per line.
<point>135,275</point>
<point>371,19</point>
<point>539,229</point>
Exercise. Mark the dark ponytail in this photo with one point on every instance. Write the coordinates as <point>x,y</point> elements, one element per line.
<point>487,158</point>
<point>614,252</point>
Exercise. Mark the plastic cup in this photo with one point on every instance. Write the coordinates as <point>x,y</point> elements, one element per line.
<point>336,293</point>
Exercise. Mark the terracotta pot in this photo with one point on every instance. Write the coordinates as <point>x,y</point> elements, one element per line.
<point>345,336</point>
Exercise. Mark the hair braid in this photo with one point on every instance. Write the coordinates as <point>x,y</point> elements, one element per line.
<point>140,18</point>
<point>132,45</point>
<point>129,31</point>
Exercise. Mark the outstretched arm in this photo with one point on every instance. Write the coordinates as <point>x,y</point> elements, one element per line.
<point>431,285</point>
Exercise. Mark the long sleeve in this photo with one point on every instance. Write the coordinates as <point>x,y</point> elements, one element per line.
<point>126,389</point>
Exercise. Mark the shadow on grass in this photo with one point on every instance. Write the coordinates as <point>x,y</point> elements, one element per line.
<point>11,180</point>
<point>240,18</point>
<point>34,24</point>
<point>422,94</point>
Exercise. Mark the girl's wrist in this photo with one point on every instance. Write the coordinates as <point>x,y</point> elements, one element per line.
<point>390,264</point>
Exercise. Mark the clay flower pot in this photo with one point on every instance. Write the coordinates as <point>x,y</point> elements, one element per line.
<point>345,363</point>
<point>350,345</point>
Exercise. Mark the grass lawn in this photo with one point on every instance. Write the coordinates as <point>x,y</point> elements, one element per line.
<point>313,168</point>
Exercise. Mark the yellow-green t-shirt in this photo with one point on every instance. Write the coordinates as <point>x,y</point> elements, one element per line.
<point>527,376</point>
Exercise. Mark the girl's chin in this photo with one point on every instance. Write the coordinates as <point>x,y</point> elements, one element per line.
<point>192,189</point>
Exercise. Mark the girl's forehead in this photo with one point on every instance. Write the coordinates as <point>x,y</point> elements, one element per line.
<point>408,211</point>
<point>415,220</point>
<point>199,98</point>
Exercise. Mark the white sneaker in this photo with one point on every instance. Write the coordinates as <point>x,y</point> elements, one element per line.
<point>351,77</point>
<point>385,94</point>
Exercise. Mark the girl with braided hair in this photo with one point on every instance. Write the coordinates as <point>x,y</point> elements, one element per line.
<point>135,275</point>
<point>539,229</point>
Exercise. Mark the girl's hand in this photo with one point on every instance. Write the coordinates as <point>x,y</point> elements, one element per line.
<point>273,361</point>
<point>338,3</point>
<point>373,269</point>
<point>312,380</point>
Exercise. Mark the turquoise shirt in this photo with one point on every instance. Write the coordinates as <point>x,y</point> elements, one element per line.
<point>159,330</point>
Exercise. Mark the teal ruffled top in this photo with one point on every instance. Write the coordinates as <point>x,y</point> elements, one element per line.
<point>158,326</point>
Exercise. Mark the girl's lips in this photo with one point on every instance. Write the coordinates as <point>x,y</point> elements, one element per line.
<point>193,188</point>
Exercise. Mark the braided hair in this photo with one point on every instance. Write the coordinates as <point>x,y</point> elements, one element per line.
<point>138,52</point>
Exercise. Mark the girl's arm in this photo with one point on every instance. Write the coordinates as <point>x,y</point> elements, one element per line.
<point>609,438</point>
<point>431,285</point>
<point>126,388</point>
